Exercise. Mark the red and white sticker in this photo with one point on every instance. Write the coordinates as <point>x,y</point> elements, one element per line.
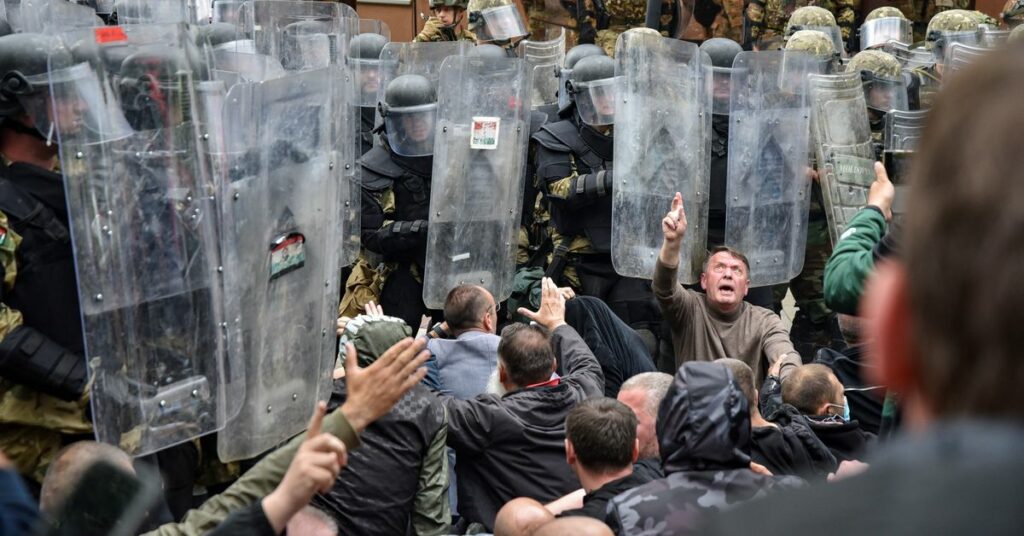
<point>110,34</point>
<point>484,134</point>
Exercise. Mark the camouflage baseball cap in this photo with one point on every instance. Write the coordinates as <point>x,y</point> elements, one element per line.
<point>812,42</point>
<point>885,12</point>
<point>457,4</point>
<point>373,335</point>
<point>1013,12</point>
<point>881,64</point>
<point>809,16</point>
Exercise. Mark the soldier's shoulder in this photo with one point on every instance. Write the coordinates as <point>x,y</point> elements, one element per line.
<point>554,135</point>
<point>379,170</point>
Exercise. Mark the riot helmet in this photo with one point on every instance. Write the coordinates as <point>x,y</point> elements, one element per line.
<point>409,110</point>
<point>885,88</point>
<point>948,27</point>
<point>885,24</point>
<point>722,52</point>
<point>816,44</point>
<point>488,51</point>
<point>364,60</point>
<point>457,6</point>
<point>574,55</point>
<point>496,20</point>
<point>25,82</point>
<point>816,18</point>
<point>1017,34</point>
<point>592,86</point>
<point>153,90</point>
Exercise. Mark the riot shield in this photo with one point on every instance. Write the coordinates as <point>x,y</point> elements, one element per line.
<point>279,238</point>
<point>375,26</point>
<point>768,186</point>
<point>415,58</point>
<point>56,16</point>
<point>842,134</point>
<point>544,58</point>
<point>233,67</point>
<point>993,37</point>
<point>960,55</point>
<point>662,137</point>
<point>477,182</point>
<point>347,148</point>
<point>143,225</point>
<point>910,57</point>
<point>303,35</point>
<point>902,129</point>
<point>152,11</point>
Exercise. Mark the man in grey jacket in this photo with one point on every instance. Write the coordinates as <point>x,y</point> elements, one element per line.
<point>514,445</point>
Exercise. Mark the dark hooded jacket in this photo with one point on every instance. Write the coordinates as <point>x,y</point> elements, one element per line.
<point>704,435</point>
<point>792,448</point>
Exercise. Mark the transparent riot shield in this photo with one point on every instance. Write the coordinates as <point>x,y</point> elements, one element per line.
<point>279,243</point>
<point>910,57</point>
<point>423,59</point>
<point>375,26</point>
<point>842,134</point>
<point>960,55</point>
<point>229,11</point>
<point>993,37</point>
<point>152,11</point>
<point>347,148</point>
<point>477,182</point>
<point>303,35</point>
<point>143,225</point>
<point>878,32</point>
<point>768,186</point>
<point>56,16</point>
<point>233,67</point>
<point>662,137</point>
<point>544,59</point>
<point>902,129</point>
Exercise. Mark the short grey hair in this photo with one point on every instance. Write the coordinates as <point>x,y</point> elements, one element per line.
<point>654,384</point>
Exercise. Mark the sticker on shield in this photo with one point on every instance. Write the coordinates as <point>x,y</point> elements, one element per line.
<point>485,133</point>
<point>287,254</point>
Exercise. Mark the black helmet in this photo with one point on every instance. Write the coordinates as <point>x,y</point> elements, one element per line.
<point>722,51</point>
<point>488,51</point>
<point>367,46</point>
<point>409,111</point>
<point>152,84</point>
<point>579,52</point>
<point>24,76</point>
<point>592,86</point>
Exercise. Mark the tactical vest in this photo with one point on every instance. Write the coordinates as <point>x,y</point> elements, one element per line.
<point>409,180</point>
<point>46,291</point>
<point>588,151</point>
<point>366,119</point>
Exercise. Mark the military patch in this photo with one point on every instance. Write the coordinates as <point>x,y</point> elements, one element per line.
<point>287,254</point>
<point>484,133</point>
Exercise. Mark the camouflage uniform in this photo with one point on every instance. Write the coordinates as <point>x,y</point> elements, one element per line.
<point>434,31</point>
<point>33,426</point>
<point>1013,13</point>
<point>766,20</point>
<point>881,65</point>
<point>930,78</point>
<point>579,18</point>
<point>728,22</point>
<point>627,14</point>
<point>704,437</point>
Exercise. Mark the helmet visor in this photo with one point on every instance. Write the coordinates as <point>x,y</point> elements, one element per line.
<point>596,102</point>
<point>366,75</point>
<point>306,52</point>
<point>878,32</point>
<point>411,129</point>
<point>885,94</point>
<point>721,84</point>
<point>76,106</point>
<point>501,23</point>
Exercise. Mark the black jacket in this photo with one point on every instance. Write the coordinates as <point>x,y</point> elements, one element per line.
<point>595,503</point>
<point>621,352</point>
<point>704,435</point>
<point>845,440</point>
<point>514,445</point>
<point>792,448</point>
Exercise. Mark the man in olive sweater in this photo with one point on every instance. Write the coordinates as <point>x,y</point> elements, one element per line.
<point>719,323</point>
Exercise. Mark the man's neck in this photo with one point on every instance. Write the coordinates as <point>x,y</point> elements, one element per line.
<point>18,147</point>
<point>459,333</point>
<point>594,480</point>
<point>725,309</point>
<point>757,421</point>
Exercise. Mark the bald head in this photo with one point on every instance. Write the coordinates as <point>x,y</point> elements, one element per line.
<point>574,526</point>
<point>69,466</point>
<point>812,389</point>
<point>521,517</point>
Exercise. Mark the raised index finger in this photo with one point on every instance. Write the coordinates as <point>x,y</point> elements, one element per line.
<point>317,421</point>
<point>677,201</point>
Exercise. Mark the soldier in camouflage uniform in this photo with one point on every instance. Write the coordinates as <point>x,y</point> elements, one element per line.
<point>766,21</point>
<point>623,15</point>
<point>728,21</point>
<point>43,394</point>
<point>883,80</point>
<point>1013,13</point>
<point>578,17</point>
<point>446,22</point>
<point>942,29</point>
<point>704,440</point>
<point>811,324</point>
